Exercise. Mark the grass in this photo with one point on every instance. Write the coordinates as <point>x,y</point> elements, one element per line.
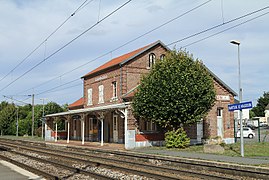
<point>250,149</point>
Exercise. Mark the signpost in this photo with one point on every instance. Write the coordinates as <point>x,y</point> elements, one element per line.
<point>240,106</point>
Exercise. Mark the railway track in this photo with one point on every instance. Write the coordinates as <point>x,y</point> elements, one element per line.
<point>146,166</point>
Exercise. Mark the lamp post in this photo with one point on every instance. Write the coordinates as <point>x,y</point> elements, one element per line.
<point>240,100</point>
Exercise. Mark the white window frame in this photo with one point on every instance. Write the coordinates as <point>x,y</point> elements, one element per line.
<point>89,96</point>
<point>162,57</point>
<point>114,90</point>
<point>101,94</point>
<point>152,59</point>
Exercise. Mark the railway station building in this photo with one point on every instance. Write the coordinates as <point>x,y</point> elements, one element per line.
<point>104,112</point>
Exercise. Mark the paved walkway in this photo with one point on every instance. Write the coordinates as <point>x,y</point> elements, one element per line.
<point>9,171</point>
<point>210,157</point>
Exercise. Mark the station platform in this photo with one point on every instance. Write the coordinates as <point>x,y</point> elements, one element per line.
<point>10,171</point>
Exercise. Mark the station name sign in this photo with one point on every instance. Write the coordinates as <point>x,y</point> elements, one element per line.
<point>240,106</point>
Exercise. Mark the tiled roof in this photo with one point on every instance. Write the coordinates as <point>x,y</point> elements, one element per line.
<point>77,103</point>
<point>122,59</point>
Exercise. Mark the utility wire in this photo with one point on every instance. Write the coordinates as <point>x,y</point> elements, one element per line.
<point>183,46</point>
<point>59,86</point>
<point>55,52</point>
<point>119,47</point>
<point>22,61</point>
<point>51,91</point>
<point>15,99</point>
<point>219,25</point>
<point>232,27</point>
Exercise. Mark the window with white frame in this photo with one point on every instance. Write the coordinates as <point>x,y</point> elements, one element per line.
<point>114,89</point>
<point>89,96</point>
<point>162,57</point>
<point>152,59</point>
<point>101,94</point>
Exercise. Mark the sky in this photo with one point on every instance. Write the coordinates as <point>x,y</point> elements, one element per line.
<point>34,60</point>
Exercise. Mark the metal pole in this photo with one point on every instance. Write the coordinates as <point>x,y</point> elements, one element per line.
<point>17,124</point>
<point>240,100</point>
<point>33,115</point>
<point>42,135</point>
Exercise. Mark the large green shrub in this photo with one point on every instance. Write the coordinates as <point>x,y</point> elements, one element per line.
<point>178,90</point>
<point>177,139</point>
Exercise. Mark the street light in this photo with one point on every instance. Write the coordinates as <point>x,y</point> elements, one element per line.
<point>240,99</point>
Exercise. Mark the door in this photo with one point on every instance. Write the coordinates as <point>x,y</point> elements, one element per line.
<point>115,128</point>
<point>220,122</point>
<point>91,129</point>
<point>75,129</point>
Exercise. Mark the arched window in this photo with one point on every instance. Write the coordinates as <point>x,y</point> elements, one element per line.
<point>152,59</point>
<point>162,57</point>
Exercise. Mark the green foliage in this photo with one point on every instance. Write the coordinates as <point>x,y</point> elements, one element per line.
<point>251,114</point>
<point>8,117</point>
<point>178,90</point>
<point>263,101</point>
<point>177,139</point>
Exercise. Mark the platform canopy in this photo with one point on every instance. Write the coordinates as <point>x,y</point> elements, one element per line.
<point>85,110</point>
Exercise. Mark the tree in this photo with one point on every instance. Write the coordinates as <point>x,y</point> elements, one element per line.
<point>262,102</point>
<point>178,90</point>
<point>7,118</point>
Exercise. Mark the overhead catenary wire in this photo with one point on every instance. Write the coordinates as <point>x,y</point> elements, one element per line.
<point>44,41</point>
<point>56,90</point>
<point>64,46</point>
<point>11,98</point>
<point>125,44</point>
<point>216,26</point>
<point>232,27</point>
<point>50,90</point>
<point>183,46</point>
<point>59,86</point>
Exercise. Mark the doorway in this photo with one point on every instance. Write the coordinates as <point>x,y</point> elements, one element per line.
<point>220,122</point>
<point>115,128</point>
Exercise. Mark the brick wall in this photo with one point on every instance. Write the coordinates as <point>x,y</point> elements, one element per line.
<point>210,123</point>
<point>127,77</point>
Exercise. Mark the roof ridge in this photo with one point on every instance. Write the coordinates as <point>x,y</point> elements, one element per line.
<point>122,58</point>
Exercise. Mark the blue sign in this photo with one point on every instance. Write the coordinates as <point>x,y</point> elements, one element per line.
<point>240,106</point>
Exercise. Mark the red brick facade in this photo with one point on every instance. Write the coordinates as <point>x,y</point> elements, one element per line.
<point>120,77</point>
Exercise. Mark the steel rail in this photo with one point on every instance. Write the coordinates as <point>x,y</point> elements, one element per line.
<point>152,167</point>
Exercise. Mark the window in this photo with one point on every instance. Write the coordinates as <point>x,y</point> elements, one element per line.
<point>150,126</point>
<point>162,57</point>
<point>147,126</point>
<point>219,112</point>
<point>89,97</point>
<point>101,94</point>
<point>114,89</point>
<point>152,58</point>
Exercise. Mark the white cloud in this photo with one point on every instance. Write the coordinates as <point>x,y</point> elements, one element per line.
<point>25,24</point>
